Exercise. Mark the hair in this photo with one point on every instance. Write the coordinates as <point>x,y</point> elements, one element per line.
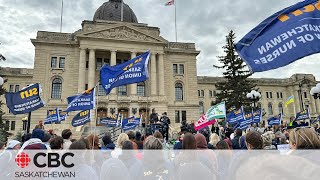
<point>189,141</point>
<point>254,139</point>
<point>131,135</point>
<point>86,142</point>
<point>106,139</point>
<point>304,138</point>
<point>214,139</point>
<point>38,133</point>
<point>153,143</point>
<point>138,136</point>
<point>127,145</point>
<point>46,137</point>
<point>121,139</point>
<point>66,134</point>
<point>267,138</point>
<point>93,141</point>
<point>238,132</point>
<point>78,145</point>
<point>2,144</point>
<point>56,143</point>
<point>158,135</point>
<point>222,145</point>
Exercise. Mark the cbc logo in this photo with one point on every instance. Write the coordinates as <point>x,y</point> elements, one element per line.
<point>53,160</point>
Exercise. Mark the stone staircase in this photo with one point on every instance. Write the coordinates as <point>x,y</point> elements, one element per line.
<point>100,131</point>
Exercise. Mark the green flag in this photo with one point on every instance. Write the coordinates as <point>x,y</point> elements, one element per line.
<point>217,112</point>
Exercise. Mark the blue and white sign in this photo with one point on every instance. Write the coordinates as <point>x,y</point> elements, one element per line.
<point>85,101</point>
<point>130,123</point>
<point>111,121</point>
<point>257,116</point>
<point>275,120</point>
<point>284,37</point>
<point>244,124</point>
<point>133,71</point>
<point>235,116</point>
<point>52,116</point>
<point>81,118</point>
<point>25,101</point>
<point>303,115</point>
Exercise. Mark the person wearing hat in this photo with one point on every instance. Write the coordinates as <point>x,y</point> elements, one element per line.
<point>13,145</point>
<point>165,123</point>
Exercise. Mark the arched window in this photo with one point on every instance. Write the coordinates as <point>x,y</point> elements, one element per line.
<point>56,88</point>
<point>201,108</point>
<point>179,92</point>
<point>141,89</point>
<point>270,110</point>
<point>280,108</point>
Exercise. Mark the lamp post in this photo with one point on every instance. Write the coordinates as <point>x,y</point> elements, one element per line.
<point>254,96</point>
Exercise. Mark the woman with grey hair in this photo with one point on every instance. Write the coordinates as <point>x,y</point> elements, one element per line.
<point>267,138</point>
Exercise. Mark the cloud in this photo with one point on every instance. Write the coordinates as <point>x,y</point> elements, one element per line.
<point>204,22</point>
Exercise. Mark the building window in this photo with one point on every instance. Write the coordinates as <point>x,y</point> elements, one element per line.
<point>141,89</point>
<point>13,125</point>
<point>184,115</point>
<point>267,94</point>
<point>86,86</point>
<point>199,93</point>
<point>280,108</point>
<point>181,68</point>
<point>175,68</point>
<point>119,61</point>
<point>270,95</point>
<point>179,92</point>
<point>177,116</point>
<point>307,107</point>
<point>281,95</point>
<point>87,64</point>
<point>202,93</point>
<point>101,91</point>
<point>11,88</point>
<point>24,125</point>
<point>62,62</point>
<point>201,108</point>
<point>56,88</point>
<point>122,91</point>
<point>17,88</point>
<point>99,63</point>
<point>7,126</point>
<point>270,110</point>
<point>54,62</point>
<point>107,62</point>
<point>278,95</point>
<point>210,93</point>
<point>305,95</point>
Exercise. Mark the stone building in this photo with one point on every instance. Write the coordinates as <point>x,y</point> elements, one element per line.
<point>68,63</point>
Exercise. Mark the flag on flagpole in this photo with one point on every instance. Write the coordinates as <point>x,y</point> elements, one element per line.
<point>289,101</point>
<point>169,3</point>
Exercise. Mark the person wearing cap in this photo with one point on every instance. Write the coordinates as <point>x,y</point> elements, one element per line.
<point>35,142</point>
<point>13,145</point>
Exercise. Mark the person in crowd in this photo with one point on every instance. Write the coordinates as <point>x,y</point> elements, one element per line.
<point>228,131</point>
<point>39,125</point>
<point>26,137</point>
<point>316,128</point>
<point>215,129</point>
<point>178,144</point>
<point>46,139</point>
<point>242,142</point>
<point>13,145</point>
<point>201,141</point>
<point>267,138</point>
<point>261,128</point>
<point>154,117</point>
<point>93,141</point>
<point>254,140</point>
<point>165,121</point>
<point>36,141</point>
<point>236,140</point>
<point>107,142</point>
<point>138,140</point>
<point>222,145</point>
<point>189,142</point>
<point>214,139</point>
<point>192,130</point>
<point>118,150</point>
<point>304,138</point>
<point>56,143</point>
<point>67,136</point>
<point>206,132</point>
<point>2,145</point>
<point>128,156</point>
<point>78,145</point>
<point>229,142</point>
<point>51,132</point>
<point>158,135</point>
<point>114,168</point>
<point>85,141</point>
<point>132,137</point>
<point>254,127</point>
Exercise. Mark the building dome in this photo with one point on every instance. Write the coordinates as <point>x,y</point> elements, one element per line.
<point>111,11</point>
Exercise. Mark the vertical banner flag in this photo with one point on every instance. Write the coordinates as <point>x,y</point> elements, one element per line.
<point>25,101</point>
<point>203,122</point>
<point>52,116</point>
<point>217,112</point>
<point>81,118</point>
<point>84,101</point>
<point>130,72</point>
<point>110,121</point>
<point>170,2</point>
<point>130,123</point>
<point>289,101</point>
<point>284,37</point>
<point>257,116</point>
<point>303,115</point>
<point>246,122</point>
<point>275,120</point>
<point>235,116</point>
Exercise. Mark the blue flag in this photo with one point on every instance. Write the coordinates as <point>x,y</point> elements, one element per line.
<point>133,71</point>
<point>52,116</point>
<point>63,116</point>
<point>244,124</point>
<point>25,101</point>
<point>303,115</point>
<point>275,120</point>
<point>235,116</point>
<point>81,118</point>
<point>130,123</point>
<point>111,121</point>
<point>283,38</point>
<point>257,116</point>
<point>85,101</point>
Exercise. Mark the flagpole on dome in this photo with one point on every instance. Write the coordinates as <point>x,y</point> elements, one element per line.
<point>61,16</point>
<point>121,10</point>
<point>175,19</point>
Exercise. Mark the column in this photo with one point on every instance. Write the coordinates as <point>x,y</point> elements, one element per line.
<point>312,104</point>
<point>92,69</point>
<point>133,87</point>
<point>317,104</point>
<point>153,75</point>
<point>113,62</point>
<point>161,75</point>
<point>297,100</point>
<point>82,70</point>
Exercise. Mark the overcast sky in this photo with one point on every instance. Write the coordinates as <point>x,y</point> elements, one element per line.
<point>204,22</point>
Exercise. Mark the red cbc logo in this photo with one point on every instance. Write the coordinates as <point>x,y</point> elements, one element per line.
<point>23,160</point>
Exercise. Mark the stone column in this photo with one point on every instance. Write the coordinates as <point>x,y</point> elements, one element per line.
<point>92,69</point>
<point>113,62</point>
<point>153,75</point>
<point>317,104</point>
<point>133,87</point>
<point>312,105</point>
<point>161,75</point>
<point>82,70</point>
<point>297,100</point>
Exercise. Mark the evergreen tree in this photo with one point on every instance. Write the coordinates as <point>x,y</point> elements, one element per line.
<point>235,86</point>
<point>18,136</point>
<point>3,127</point>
